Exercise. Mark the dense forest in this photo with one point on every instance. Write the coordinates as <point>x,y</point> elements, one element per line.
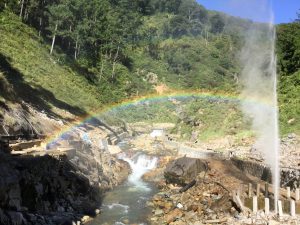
<point>108,50</point>
<point>288,53</point>
<point>109,40</point>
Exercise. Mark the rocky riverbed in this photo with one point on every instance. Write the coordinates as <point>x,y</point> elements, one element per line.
<point>209,197</point>
<point>196,191</point>
<point>192,193</point>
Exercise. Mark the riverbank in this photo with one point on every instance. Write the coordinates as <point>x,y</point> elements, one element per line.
<point>126,204</point>
<point>209,196</point>
<point>61,189</point>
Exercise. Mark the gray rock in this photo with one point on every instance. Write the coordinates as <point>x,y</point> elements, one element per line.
<point>14,192</point>
<point>15,197</point>
<point>292,136</point>
<point>15,204</point>
<point>3,218</point>
<point>60,209</point>
<point>39,189</point>
<point>184,170</point>
<point>31,217</point>
<point>17,218</point>
<point>158,212</point>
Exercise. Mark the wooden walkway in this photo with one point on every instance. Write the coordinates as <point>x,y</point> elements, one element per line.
<point>39,151</point>
<point>18,145</point>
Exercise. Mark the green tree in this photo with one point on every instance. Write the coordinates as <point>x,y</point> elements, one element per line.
<point>2,6</point>
<point>172,6</point>
<point>217,24</point>
<point>144,7</point>
<point>288,47</point>
<point>178,26</point>
<point>58,15</point>
<point>13,5</point>
<point>193,11</point>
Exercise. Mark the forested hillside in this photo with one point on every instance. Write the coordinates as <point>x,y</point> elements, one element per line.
<point>122,44</point>
<point>288,49</point>
<point>80,55</point>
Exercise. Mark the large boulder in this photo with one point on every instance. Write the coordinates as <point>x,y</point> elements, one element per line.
<point>183,170</point>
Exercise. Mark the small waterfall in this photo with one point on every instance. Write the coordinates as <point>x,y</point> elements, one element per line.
<point>140,164</point>
<point>127,202</point>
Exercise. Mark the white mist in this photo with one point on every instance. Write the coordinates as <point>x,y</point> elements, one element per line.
<point>259,80</point>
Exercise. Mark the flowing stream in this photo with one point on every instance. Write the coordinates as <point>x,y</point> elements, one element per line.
<point>126,204</point>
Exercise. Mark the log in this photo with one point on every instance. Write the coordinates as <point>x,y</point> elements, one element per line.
<point>188,186</point>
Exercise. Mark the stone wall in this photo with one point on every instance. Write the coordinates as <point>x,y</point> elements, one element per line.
<point>288,176</point>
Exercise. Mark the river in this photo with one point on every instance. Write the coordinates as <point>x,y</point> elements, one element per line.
<point>126,204</point>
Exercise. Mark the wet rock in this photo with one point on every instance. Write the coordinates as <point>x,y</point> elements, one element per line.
<point>125,221</point>
<point>158,212</point>
<point>97,211</point>
<point>85,219</point>
<point>150,204</point>
<point>183,170</point>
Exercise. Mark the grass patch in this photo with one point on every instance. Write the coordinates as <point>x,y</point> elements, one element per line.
<point>289,103</point>
<point>26,54</point>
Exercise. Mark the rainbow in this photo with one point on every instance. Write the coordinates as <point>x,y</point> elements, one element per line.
<point>153,98</point>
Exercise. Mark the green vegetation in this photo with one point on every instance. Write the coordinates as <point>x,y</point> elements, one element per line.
<point>44,80</point>
<point>212,118</point>
<point>35,76</point>
<point>191,63</point>
<point>288,49</point>
<point>109,41</point>
<point>148,111</point>
<point>208,118</point>
<point>105,51</point>
<point>80,55</point>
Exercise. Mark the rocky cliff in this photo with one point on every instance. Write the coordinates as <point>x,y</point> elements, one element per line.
<point>62,189</point>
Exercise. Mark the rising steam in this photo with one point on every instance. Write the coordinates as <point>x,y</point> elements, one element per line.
<point>259,80</point>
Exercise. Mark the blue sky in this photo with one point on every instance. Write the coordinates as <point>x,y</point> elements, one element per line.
<point>284,11</point>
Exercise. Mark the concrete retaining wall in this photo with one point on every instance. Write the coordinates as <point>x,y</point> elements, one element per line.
<point>288,176</point>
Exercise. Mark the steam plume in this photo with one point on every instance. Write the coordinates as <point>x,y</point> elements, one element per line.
<point>259,81</point>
